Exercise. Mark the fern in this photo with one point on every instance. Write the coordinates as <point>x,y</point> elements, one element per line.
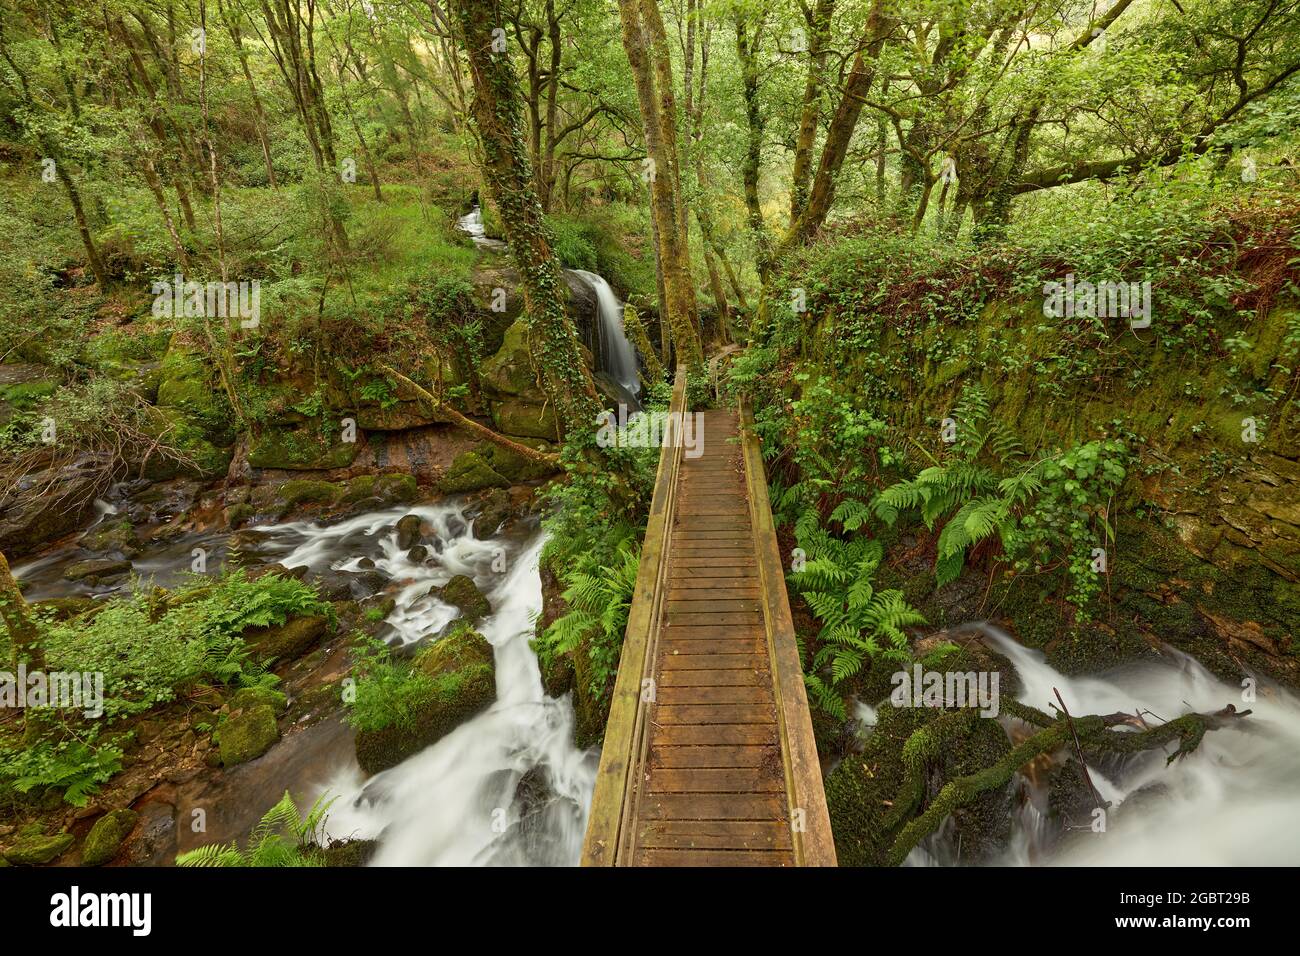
<point>280,839</point>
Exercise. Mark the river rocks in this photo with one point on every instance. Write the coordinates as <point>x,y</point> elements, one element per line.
<point>462,682</point>
<point>114,536</point>
<point>470,472</point>
<point>107,836</point>
<point>33,848</point>
<point>28,521</point>
<point>289,640</point>
<point>97,571</point>
<point>418,555</point>
<point>387,489</point>
<point>462,592</point>
<point>408,531</point>
<point>493,510</point>
<point>247,734</point>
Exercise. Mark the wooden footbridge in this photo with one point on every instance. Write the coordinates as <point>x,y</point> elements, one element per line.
<point>709,758</point>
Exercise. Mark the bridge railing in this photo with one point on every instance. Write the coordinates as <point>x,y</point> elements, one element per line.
<point>608,829</point>
<point>810,821</point>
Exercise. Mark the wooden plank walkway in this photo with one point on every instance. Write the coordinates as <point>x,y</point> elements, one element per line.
<point>713,783</point>
<point>708,757</point>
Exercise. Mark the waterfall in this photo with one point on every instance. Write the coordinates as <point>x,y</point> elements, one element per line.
<point>1231,803</point>
<point>507,787</point>
<point>617,357</point>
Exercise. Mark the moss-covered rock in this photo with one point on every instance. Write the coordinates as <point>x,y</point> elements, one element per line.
<point>97,570</point>
<point>462,682</point>
<point>515,466</point>
<point>34,848</point>
<point>116,536</point>
<point>470,472</point>
<point>301,449</point>
<point>287,641</point>
<point>107,836</point>
<point>528,419</point>
<point>462,592</point>
<point>246,735</point>
<point>388,489</point>
<point>302,491</point>
<point>510,371</point>
<point>248,697</point>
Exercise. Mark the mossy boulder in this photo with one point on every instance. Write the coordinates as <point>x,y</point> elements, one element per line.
<point>248,697</point>
<point>303,491</point>
<point>462,592</point>
<point>527,419</point>
<point>388,489</point>
<point>97,570</point>
<point>204,456</point>
<point>118,536</point>
<point>510,371</point>
<point>107,836</point>
<point>288,641</point>
<point>23,396</point>
<point>517,467</point>
<point>462,682</point>
<point>246,735</point>
<point>470,472</point>
<point>33,848</point>
<point>301,449</point>
<point>493,510</point>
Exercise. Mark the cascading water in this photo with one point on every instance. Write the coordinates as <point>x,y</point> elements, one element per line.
<point>506,788</point>
<point>1231,803</point>
<point>617,357</point>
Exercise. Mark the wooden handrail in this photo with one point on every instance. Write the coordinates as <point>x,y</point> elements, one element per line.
<point>625,732</point>
<point>809,819</point>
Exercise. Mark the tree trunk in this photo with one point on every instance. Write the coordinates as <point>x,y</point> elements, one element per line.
<point>496,113</point>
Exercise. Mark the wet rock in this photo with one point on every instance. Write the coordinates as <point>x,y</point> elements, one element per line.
<point>27,520</point>
<point>33,848</point>
<point>367,564</point>
<point>115,536</point>
<point>236,515</point>
<point>418,555</point>
<point>97,571</point>
<point>247,698</point>
<point>287,641</point>
<point>514,466</point>
<point>494,510</point>
<point>347,853</point>
<point>462,682</point>
<point>462,592</point>
<point>107,836</point>
<point>247,735</point>
<point>408,531</point>
<point>470,472</point>
<point>383,489</point>
<point>153,842</point>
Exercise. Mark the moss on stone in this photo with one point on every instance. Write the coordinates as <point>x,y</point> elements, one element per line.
<point>287,641</point>
<point>299,450</point>
<point>35,849</point>
<point>248,697</point>
<point>462,672</point>
<point>470,472</point>
<point>246,735</point>
<point>462,592</point>
<point>106,836</point>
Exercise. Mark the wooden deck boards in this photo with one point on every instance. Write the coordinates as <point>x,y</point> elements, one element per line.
<point>712,783</point>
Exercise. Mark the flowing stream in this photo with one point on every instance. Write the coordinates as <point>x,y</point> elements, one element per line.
<point>508,787</point>
<point>1231,803</point>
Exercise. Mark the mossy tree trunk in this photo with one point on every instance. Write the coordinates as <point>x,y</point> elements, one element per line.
<point>647,54</point>
<point>496,111</point>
